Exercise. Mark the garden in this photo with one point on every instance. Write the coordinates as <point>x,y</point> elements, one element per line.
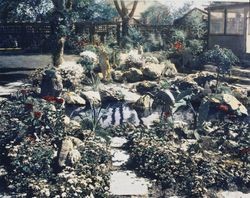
<point>181,126</point>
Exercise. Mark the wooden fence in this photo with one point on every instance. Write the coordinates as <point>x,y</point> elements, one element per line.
<point>30,35</point>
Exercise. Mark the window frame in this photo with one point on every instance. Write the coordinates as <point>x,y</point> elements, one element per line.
<point>210,19</point>
<point>225,23</point>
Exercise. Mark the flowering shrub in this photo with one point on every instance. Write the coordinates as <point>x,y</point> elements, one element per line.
<point>30,137</point>
<point>32,170</point>
<point>178,46</point>
<point>88,60</point>
<point>223,58</point>
<point>72,74</point>
<point>179,165</point>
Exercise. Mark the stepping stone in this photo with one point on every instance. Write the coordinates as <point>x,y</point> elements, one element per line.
<point>126,183</point>
<point>119,158</point>
<point>235,194</point>
<point>118,142</point>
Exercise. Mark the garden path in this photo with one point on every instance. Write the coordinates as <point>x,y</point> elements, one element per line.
<point>124,182</point>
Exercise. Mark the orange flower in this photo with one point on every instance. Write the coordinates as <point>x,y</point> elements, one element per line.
<point>178,45</point>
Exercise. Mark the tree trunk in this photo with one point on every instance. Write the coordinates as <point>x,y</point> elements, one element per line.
<point>125,27</point>
<point>57,55</point>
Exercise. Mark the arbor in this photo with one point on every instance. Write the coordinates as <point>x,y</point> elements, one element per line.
<point>125,14</point>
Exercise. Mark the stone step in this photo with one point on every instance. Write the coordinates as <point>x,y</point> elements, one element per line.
<point>238,80</point>
<point>127,184</point>
<point>119,157</point>
<point>245,73</point>
<point>118,142</point>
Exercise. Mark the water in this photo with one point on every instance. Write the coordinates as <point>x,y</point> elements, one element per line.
<point>116,114</point>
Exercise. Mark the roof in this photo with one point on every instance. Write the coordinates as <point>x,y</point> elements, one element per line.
<point>190,11</point>
<point>222,5</point>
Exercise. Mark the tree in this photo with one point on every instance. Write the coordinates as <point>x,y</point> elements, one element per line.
<point>65,13</point>
<point>157,15</point>
<point>125,14</point>
<point>24,10</point>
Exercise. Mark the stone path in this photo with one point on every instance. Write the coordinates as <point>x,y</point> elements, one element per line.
<point>125,182</point>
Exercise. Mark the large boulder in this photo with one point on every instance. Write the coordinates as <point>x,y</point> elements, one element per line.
<point>51,83</point>
<point>144,87</point>
<point>234,104</point>
<point>153,71</point>
<point>151,59</point>
<point>240,93</point>
<point>73,98</point>
<point>92,97</point>
<point>144,102</point>
<point>201,78</point>
<point>111,95</point>
<point>134,60</point>
<point>133,75</point>
<point>117,76</point>
<point>68,154</point>
<point>170,69</point>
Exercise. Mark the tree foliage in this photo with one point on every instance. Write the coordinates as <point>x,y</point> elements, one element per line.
<point>157,15</point>
<point>24,10</point>
<point>41,10</point>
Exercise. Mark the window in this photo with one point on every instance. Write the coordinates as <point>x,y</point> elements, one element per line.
<point>217,22</point>
<point>235,21</point>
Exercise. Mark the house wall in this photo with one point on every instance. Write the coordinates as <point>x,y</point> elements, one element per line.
<point>234,42</point>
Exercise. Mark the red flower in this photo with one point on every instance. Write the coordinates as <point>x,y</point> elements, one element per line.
<point>167,114</point>
<point>23,91</point>
<point>29,106</point>
<point>178,45</point>
<point>223,107</point>
<point>49,98</point>
<point>59,100</point>
<point>37,114</point>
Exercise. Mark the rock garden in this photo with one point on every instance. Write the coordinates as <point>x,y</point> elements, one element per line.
<point>144,109</point>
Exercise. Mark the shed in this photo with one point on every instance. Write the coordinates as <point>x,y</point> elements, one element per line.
<point>229,27</point>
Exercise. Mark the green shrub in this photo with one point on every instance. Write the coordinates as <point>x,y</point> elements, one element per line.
<point>30,137</point>
<point>223,58</point>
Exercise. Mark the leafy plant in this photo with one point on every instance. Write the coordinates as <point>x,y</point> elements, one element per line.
<point>223,58</point>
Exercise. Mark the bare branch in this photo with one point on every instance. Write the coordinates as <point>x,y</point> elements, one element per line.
<point>131,14</point>
<point>124,9</point>
<point>118,8</point>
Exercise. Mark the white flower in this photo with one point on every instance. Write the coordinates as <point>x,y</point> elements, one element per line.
<point>89,56</point>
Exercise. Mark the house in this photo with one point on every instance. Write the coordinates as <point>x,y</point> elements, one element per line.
<point>229,27</point>
<point>194,23</point>
<point>197,12</point>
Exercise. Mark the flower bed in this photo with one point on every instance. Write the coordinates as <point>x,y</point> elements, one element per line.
<point>186,166</point>
<point>31,134</point>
